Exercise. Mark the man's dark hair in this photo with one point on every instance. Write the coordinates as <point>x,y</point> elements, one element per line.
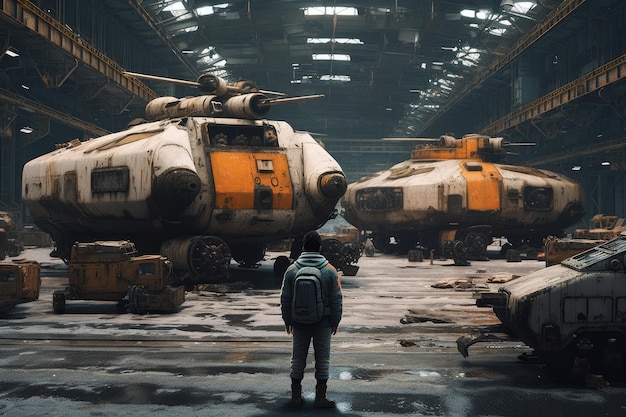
<point>311,242</point>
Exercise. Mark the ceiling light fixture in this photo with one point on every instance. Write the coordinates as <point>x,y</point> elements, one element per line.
<point>12,52</point>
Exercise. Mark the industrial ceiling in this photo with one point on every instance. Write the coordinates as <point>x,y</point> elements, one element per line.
<point>373,60</point>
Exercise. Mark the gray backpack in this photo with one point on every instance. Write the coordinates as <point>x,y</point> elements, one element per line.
<point>307,305</point>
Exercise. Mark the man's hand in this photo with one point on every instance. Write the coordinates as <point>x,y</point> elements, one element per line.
<point>335,330</point>
<point>288,329</point>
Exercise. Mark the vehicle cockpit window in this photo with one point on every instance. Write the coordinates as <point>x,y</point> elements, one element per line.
<point>147,269</point>
<point>240,136</point>
<point>7,276</point>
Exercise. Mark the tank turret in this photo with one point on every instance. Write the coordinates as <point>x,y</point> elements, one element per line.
<point>241,99</point>
<point>205,180</point>
<point>454,194</point>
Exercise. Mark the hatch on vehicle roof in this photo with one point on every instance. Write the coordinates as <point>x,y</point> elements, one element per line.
<point>606,256</point>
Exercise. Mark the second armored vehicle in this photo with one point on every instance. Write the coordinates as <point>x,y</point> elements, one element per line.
<point>455,191</point>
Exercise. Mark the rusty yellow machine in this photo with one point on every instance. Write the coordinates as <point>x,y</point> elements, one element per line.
<point>114,271</point>
<point>454,194</point>
<point>20,282</point>
<point>207,179</point>
<point>602,228</point>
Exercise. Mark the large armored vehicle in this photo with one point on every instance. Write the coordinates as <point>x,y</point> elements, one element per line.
<point>455,191</point>
<point>114,271</point>
<point>572,314</point>
<point>20,282</point>
<point>207,179</point>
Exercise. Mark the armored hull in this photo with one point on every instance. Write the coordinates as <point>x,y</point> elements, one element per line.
<point>453,193</point>
<point>573,313</point>
<point>185,184</point>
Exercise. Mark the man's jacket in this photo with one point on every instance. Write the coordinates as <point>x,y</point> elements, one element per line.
<point>333,299</point>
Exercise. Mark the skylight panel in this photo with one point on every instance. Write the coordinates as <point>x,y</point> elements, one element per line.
<point>468,56</point>
<point>475,14</point>
<point>330,57</point>
<point>497,31</point>
<point>175,7</point>
<point>353,41</point>
<point>325,11</point>
<point>205,11</point>
<point>523,6</point>
<point>212,59</point>
<point>217,68</point>
<point>343,78</point>
<point>209,10</point>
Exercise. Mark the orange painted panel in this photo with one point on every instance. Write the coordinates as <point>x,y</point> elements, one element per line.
<point>238,174</point>
<point>483,185</point>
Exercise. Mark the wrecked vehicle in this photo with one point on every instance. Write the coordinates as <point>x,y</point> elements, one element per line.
<point>342,248</point>
<point>602,228</point>
<point>20,282</point>
<point>113,271</point>
<point>573,314</point>
<point>454,192</point>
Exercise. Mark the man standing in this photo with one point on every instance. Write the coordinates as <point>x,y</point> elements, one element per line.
<point>320,332</point>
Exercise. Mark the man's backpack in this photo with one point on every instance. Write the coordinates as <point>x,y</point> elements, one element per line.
<point>307,305</point>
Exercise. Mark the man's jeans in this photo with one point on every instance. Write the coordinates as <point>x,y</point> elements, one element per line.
<point>302,336</point>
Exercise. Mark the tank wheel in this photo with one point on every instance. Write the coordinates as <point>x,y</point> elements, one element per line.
<point>211,257</point>
<point>603,354</point>
<point>135,295</point>
<point>331,249</point>
<point>280,265</point>
<point>459,253</point>
<point>476,246</point>
<point>597,354</point>
<point>58,302</point>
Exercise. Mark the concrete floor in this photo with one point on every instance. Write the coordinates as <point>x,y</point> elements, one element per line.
<point>224,352</point>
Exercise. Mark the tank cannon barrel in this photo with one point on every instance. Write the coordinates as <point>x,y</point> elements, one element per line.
<point>272,101</point>
<point>211,84</point>
<point>244,106</point>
